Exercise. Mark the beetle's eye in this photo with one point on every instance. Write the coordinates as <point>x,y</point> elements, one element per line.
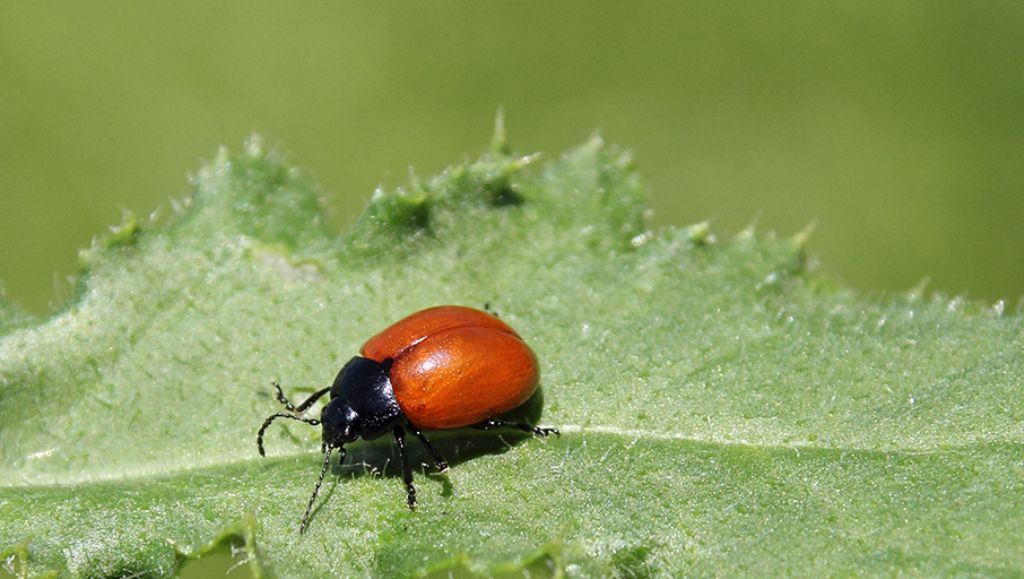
<point>341,423</point>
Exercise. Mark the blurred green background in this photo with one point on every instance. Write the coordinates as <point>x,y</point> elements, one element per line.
<point>896,125</point>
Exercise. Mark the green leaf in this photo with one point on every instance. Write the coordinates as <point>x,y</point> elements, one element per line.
<point>724,410</point>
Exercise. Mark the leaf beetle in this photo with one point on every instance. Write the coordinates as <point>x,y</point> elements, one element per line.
<point>440,368</point>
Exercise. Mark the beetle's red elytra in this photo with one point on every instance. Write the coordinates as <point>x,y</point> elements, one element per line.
<point>455,366</point>
<point>440,368</point>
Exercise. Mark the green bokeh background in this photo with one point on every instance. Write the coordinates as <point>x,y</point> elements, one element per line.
<point>897,126</point>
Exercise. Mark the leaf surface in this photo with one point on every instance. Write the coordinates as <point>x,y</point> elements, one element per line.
<point>724,410</point>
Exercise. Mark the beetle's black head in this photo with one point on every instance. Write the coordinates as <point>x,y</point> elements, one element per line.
<point>341,424</point>
<point>362,404</point>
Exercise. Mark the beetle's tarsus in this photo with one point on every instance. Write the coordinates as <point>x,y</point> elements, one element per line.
<point>440,464</point>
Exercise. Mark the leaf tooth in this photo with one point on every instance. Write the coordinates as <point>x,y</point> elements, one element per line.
<point>748,233</point>
<point>499,142</point>
<point>801,237</point>
<point>253,146</point>
<point>955,304</point>
<point>917,292</point>
<point>255,193</point>
<point>125,234</point>
<point>999,307</point>
<point>700,234</point>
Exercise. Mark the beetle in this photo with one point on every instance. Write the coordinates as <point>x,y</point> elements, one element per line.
<point>441,368</point>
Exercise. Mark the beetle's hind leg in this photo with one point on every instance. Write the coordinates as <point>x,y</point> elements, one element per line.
<point>439,462</point>
<point>304,406</point>
<point>410,491</point>
<point>491,424</point>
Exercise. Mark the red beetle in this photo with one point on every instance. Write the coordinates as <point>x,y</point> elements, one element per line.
<point>440,368</point>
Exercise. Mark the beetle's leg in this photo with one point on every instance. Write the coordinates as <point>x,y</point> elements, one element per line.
<point>439,462</point>
<point>491,424</point>
<point>273,417</point>
<point>410,491</point>
<point>280,397</point>
<point>316,490</point>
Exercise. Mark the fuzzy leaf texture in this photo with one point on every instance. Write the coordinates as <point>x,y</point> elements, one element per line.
<point>724,410</point>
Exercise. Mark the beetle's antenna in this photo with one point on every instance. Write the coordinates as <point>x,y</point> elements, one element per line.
<point>273,417</point>
<point>316,490</point>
